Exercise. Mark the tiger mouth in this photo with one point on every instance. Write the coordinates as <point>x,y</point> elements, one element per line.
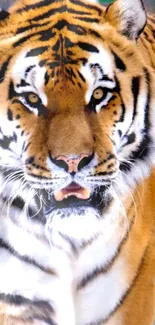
<point>75,197</point>
<point>72,190</point>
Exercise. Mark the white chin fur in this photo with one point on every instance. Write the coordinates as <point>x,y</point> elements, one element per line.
<point>85,223</point>
<point>82,223</point>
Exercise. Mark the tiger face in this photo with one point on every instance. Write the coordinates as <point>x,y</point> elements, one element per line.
<point>75,113</point>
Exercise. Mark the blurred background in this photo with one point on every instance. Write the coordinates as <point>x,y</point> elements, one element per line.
<point>150,4</point>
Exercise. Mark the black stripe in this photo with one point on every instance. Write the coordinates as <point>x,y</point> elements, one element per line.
<point>46,78</point>
<point>119,62</point>
<point>22,83</point>
<point>88,47</point>
<point>22,40</point>
<point>130,139</point>
<point>24,258</point>
<point>9,114</point>
<point>105,78</point>
<point>29,27</point>
<point>119,133</point>
<point>42,62</point>
<point>37,177</point>
<point>104,173</point>
<point>77,29</point>
<point>125,295</point>
<point>60,24</point>
<point>33,309</point>
<point>122,113</point>
<point>18,203</point>
<point>26,147</point>
<point>53,11</point>
<point>87,19</point>
<point>146,118</point>
<point>11,92</point>
<point>77,12</point>
<point>48,14</point>
<point>104,269</point>
<point>83,60</point>
<point>41,4</point>
<point>70,242</point>
<point>135,91</point>
<point>46,3</point>
<point>37,51</point>
<point>53,65</point>
<point>94,33</point>
<point>81,76</point>
<point>111,156</point>
<point>4,69</point>
<point>28,70</point>
<point>44,36</point>
<point>144,147</point>
<point>20,300</point>
<point>118,90</point>
<point>70,72</point>
<point>87,6</point>
<point>68,43</point>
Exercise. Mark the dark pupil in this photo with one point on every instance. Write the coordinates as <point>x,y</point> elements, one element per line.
<point>98,92</point>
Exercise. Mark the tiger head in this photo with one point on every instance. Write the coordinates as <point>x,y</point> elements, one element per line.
<point>75,101</point>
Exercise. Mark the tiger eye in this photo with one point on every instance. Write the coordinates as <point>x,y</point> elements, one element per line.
<point>98,93</point>
<point>33,98</point>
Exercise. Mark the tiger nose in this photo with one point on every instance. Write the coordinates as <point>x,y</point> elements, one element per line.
<point>73,164</point>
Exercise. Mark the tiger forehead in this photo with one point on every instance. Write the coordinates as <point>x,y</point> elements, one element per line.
<point>49,19</point>
<point>57,9</point>
<point>62,52</point>
<point>30,69</point>
<point>65,39</point>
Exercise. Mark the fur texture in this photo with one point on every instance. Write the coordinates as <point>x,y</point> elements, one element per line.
<point>77,138</point>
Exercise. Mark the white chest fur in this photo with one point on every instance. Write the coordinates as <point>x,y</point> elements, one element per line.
<point>88,285</point>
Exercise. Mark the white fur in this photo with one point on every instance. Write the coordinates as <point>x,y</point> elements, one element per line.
<point>132,10</point>
<point>27,280</point>
<point>104,60</point>
<point>35,77</point>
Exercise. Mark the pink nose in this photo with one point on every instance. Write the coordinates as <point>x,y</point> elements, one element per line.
<point>72,165</point>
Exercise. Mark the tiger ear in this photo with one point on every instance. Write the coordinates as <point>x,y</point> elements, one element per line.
<point>127,16</point>
<point>3,14</point>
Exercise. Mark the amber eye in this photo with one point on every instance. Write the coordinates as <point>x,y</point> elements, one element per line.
<point>32,98</point>
<point>98,93</point>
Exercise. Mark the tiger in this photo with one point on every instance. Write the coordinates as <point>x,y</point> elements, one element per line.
<point>77,157</point>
